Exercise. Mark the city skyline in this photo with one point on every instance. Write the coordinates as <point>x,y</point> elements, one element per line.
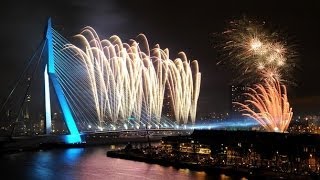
<point>178,26</point>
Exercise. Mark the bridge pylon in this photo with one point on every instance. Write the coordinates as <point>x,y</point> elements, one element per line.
<point>50,76</point>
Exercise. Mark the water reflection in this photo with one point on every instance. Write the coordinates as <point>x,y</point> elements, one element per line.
<point>224,177</point>
<point>72,155</point>
<point>88,163</point>
<point>40,165</point>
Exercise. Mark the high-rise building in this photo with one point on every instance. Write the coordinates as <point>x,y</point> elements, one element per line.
<point>57,124</point>
<point>237,95</point>
<point>38,127</point>
<point>167,109</point>
<point>26,115</point>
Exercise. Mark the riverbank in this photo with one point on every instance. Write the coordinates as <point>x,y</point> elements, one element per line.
<point>138,155</point>
<point>143,156</point>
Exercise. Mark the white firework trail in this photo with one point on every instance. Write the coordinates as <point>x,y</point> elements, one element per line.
<point>126,81</point>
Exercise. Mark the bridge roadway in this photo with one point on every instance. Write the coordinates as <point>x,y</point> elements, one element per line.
<point>22,143</point>
<point>125,136</point>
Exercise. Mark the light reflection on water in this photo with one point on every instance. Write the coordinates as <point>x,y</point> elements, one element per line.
<point>87,163</point>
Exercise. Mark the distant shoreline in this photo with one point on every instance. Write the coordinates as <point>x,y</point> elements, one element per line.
<point>210,169</point>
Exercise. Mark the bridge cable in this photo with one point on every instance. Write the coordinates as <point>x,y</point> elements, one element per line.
<point>21,76</point>
<point>28,86</point>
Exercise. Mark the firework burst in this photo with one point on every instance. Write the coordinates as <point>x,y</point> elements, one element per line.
<point>268,104</point>
<point>261,58</point>
<point>252,51</point>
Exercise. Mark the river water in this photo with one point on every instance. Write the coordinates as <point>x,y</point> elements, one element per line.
<point>86,164</point>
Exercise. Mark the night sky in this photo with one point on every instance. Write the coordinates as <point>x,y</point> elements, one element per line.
<point>179,26</point>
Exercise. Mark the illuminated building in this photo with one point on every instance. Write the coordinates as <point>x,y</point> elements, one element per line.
<point>237,96</point>
<point>167,104</point>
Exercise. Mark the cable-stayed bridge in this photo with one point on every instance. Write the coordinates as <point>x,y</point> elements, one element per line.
<point>90,103</point>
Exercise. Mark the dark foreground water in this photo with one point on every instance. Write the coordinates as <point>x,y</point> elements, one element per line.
<point>88,163</point>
